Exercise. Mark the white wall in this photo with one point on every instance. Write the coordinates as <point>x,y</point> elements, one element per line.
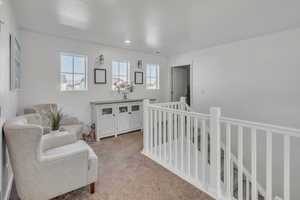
<point>255,79</point>
<point>8,99</point>
<point>41,82</point>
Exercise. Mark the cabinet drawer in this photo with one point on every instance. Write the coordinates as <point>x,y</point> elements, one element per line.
<point>135,108</point>
<point>123,109</point>
<point>106,111</point>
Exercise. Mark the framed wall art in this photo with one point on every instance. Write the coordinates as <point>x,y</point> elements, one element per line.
<point>15,63</point>
<point>138,78</point>
<point>100,76</point>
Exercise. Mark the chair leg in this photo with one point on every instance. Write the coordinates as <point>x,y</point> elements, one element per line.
<point>92,188</point>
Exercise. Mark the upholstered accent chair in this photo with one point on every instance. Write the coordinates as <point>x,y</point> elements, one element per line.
<point>46,166</point>
<point>69,123</point>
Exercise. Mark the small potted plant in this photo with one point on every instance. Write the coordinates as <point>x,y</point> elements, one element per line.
<point>55,117</point>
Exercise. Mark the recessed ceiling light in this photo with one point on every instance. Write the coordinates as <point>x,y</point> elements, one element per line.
<point>127,41</point>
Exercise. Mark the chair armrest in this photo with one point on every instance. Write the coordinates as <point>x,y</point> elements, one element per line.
<point>68,120</point>
<point>33,118</point>
<point>54,140</point>
<point>64,168</point>
<point>68,153</point>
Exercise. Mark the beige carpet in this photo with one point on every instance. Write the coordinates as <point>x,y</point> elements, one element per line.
<point>125,174</point>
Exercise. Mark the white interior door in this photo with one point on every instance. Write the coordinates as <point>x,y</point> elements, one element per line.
<point>179,83</point>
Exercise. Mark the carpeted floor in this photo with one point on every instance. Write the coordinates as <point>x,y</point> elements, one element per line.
<point>125,174</point>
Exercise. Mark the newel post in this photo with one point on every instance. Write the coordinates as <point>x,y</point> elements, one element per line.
<point>183,99</point>
<point>146,103</point>
<point>215,148</point>
<point>182,103</point>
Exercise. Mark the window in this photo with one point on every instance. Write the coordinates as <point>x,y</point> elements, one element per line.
<point>152,76</point>
<point>120,73</point>
<point>73,72</point>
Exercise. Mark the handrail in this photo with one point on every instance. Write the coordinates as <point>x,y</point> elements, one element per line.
<point>183,112</point>
<point>167,103</point>
<point>263,126</point>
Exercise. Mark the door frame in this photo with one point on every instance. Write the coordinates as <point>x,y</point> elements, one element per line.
<point>171,80</point>
<point>192,63</point>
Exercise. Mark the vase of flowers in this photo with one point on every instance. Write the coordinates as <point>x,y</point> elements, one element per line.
<point>55,117</point>
<point>124,88</point>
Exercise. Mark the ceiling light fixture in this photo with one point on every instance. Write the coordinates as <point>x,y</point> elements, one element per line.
<point>127,41</point>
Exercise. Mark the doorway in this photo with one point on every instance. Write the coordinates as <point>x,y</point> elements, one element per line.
<point>180,83</point>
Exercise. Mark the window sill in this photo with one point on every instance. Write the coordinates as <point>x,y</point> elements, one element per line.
<point>81,90</point>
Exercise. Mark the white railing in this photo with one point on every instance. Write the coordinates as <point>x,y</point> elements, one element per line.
<point>172,137</point>
<point>178,105</point>
<point>190,145</point>
<point>254,128</point>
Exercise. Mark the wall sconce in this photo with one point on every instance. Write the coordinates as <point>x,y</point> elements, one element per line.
<point>140,64</point>
<point>99,60</point>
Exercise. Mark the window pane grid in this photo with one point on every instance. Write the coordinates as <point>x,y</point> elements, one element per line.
<point>73,74</point>
<point>120,72</point>
<point>152,76</point>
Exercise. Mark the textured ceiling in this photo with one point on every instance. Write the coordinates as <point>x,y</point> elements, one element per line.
<point>168,26</point>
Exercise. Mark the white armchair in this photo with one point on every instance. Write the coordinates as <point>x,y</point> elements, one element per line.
<point>50,165</point>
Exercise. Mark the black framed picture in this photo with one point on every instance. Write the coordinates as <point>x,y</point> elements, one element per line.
<point>100,76</point>
<point>138,78</point>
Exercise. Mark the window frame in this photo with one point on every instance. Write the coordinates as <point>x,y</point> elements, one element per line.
<point>157,77</point>
<point>73,73</point>
<point>128,72</point>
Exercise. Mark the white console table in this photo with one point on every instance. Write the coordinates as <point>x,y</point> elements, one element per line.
<point>112,118</point>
